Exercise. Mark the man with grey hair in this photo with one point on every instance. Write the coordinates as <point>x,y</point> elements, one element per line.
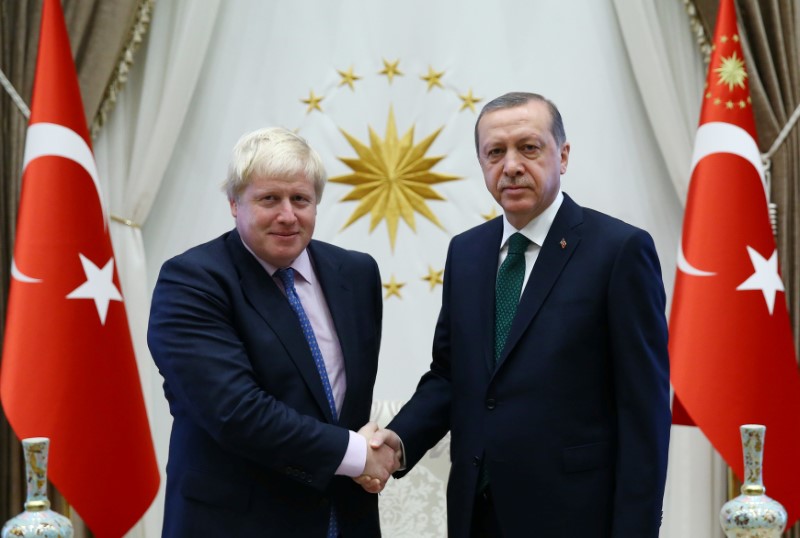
<point>268,344</point>
<point>550,365</point>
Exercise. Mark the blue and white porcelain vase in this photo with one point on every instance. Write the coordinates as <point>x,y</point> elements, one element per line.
<point>752,514</point>
<point>37,520</point>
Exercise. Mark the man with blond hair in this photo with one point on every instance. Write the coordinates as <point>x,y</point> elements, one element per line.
<point>268,344</point>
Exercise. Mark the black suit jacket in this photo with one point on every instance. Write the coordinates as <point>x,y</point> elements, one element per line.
<point>253,449</point>
<point>573,424</point>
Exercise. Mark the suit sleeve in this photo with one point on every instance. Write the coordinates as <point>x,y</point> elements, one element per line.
<point>425,419</point>
<point>209,377</point>
<point>638,336</point>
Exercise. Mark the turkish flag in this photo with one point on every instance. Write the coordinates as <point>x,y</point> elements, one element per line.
<point>732,355</point>
<point>68,368</point>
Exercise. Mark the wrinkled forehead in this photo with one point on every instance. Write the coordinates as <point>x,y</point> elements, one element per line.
<point>514,122</point>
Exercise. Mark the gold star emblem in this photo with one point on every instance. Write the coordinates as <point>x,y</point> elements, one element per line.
<point>393,288</point>
<point>391,70</point>
<point>735,37</point>
<point>731,72</point>
<point>742,104</point>
<point>490,215</point>
<point>312,102</point>
<point>729,105</point>
<point>433,78</point>
<point>433,277</point>
<point>469,101</point>
<point>724,39</point>
<point>392,178</point>
<point>348,77</point>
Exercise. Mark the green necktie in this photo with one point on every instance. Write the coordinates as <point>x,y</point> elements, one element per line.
<point>508,290</point>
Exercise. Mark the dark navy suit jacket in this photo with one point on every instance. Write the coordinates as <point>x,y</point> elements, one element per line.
<point>253,449</point>
<point>573,424</point>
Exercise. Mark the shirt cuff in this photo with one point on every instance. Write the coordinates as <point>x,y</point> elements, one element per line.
<point>403,465</point>
<point>355,458</point>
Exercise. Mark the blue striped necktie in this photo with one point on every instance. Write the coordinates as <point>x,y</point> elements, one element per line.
<point>287,277</point>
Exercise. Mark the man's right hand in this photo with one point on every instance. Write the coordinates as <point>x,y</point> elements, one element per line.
<point>382,458</point>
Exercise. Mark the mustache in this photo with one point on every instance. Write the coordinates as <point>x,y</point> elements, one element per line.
<point>516,181</point>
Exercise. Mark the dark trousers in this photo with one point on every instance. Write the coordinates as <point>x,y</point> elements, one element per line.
<point>484,517</point>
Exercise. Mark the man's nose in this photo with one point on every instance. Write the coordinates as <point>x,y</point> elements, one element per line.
<point>512,165</point>
<point>286,211</point>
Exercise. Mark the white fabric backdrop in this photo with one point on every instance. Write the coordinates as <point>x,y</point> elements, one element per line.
<point>132,153</point>
<point>670,74</point>
<point>256,60</point>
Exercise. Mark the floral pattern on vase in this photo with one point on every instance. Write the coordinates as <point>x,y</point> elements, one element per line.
<point>753,514</point>
<point>37,520</point>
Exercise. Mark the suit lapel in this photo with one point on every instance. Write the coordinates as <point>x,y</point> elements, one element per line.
<point>339,296</point>
<point>268,300</point>
<point>486,280</point>
<point>552,258</point>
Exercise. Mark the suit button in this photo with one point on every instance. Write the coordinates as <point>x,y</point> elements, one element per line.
<point>476,461</point>
<point>491,403</point>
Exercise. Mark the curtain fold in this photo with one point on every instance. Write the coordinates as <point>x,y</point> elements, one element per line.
<point>132,151</point>
<point>670,74</point>
<point>18,41</point>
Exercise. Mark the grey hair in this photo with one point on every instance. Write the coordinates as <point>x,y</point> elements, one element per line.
<point>515,99</point>
<point>272,152</point>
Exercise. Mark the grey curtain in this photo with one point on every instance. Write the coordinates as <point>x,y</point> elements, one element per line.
<point>99,31</point>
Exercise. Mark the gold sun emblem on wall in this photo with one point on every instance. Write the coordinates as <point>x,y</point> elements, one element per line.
<point>732,72</point>
<point>392,178</point>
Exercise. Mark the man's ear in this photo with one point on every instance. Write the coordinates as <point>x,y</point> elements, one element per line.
<point>564,157</point>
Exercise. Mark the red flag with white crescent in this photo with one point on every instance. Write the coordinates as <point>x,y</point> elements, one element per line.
<point>68,368</point>
<point>732,354</point>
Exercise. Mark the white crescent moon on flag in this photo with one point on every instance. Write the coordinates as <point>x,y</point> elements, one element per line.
<point>16,274</point>
<point>721,137</point>
<point>50,139</point>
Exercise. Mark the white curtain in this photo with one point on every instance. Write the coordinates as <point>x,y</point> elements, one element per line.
<point>670,74</point>
<point>207,77</point>
<point>132,153</point>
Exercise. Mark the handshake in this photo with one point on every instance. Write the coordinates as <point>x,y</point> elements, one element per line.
<point>384,457</point>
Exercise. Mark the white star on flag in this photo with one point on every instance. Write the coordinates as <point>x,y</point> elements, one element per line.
<point>766,277</point>
<point>98,286</point>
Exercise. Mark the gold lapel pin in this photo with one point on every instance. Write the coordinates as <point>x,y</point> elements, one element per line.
<point>563,243</point>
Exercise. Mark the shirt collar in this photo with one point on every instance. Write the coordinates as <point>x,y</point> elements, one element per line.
<point>301,265</point>
<point>536,230</point>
